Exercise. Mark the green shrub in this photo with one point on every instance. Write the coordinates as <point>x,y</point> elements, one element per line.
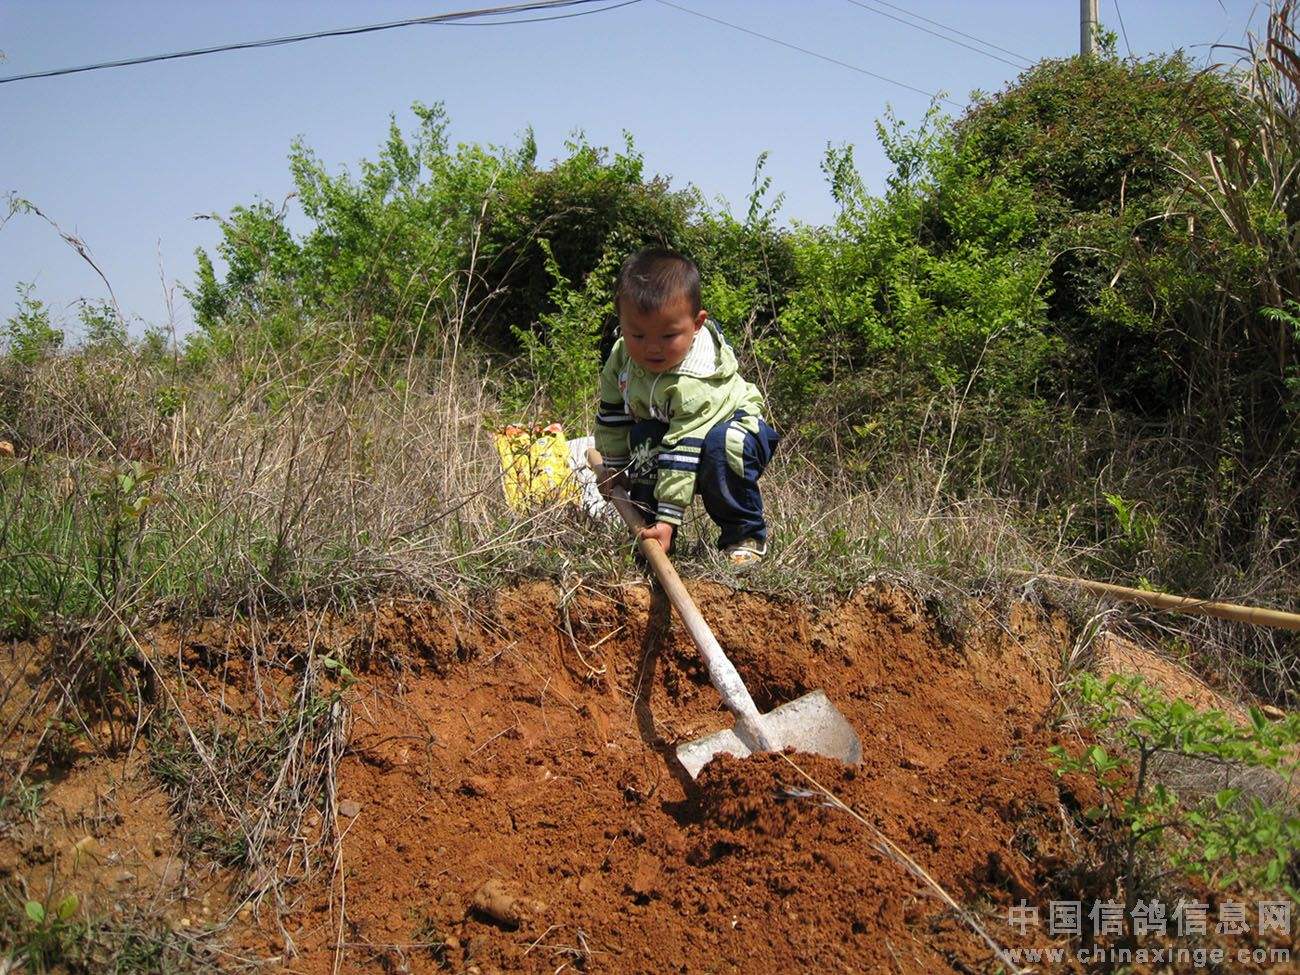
<point>28,334</point>
<point>939,279</point>
<point>428,235</point>
<point>1226,837</point>
<point>564,354</point>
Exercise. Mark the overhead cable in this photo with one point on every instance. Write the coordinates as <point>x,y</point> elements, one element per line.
<point>457,17</point>
<point>1123,29</point>
<point>811,53</point>
<point>953,30</point>
<point>935,33</point>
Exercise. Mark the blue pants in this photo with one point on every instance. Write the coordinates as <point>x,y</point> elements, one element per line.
<point>731,495</point>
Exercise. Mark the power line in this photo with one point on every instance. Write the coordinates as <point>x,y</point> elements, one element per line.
<point>1123,30</point>
<point>537,20</point>
<point>935,33</point>
<point>954,30</point>
<point>453,18</point>
<point>804,50</point>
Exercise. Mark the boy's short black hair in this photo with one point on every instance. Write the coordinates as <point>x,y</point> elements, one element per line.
<point>654,276</point>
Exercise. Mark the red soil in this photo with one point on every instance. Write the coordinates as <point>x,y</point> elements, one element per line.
<point>509,803</point>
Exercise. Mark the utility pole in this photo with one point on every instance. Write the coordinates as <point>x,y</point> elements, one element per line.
<point>1087,27</point>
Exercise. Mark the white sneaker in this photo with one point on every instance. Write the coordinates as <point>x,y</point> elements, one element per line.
<point>746,553</point>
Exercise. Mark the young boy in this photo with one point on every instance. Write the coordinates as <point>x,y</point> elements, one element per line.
<point>675,415</point>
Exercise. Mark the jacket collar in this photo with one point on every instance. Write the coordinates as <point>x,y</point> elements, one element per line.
<point>702,358</point>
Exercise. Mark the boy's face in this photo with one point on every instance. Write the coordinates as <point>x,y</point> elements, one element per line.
<point>658,340</point>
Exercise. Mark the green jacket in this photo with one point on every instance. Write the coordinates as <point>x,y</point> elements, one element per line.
<point>702,391</point>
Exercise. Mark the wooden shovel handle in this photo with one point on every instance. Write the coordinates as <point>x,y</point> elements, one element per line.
<point>722,673</point>
<point>650,548</point>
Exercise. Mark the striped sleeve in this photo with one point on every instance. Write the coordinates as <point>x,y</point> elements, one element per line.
<point>612,419</point>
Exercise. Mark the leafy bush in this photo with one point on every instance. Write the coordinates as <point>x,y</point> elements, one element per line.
<point>1226,837</point>
<point>937,283</point>
<point>563,367</point>
<point>1093,137</point>
<point>28,333</point>
<point>426,233</point>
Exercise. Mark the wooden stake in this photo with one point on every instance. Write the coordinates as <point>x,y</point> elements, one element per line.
<point>1258,615</point>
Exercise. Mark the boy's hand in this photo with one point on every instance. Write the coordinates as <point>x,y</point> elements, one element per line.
<point>611,479</point>
<point>660,531</point>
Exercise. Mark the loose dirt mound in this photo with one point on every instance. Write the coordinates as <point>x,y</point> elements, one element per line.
<point>509,804</point>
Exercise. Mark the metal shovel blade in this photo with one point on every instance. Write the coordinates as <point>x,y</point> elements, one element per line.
<point>808,724</point>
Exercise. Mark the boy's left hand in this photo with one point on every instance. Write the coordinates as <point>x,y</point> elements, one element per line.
<point>660,531</point>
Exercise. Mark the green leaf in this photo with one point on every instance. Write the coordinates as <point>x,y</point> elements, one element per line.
<point>36,911</point>
<point>1226,797</point>
<point>1257,718</point>
<point>67,907</point>
<point>333,663</point>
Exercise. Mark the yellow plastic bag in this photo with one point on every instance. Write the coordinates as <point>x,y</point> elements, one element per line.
<point>535,466</point>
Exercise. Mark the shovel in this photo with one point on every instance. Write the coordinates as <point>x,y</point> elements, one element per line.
<point>809,724</point>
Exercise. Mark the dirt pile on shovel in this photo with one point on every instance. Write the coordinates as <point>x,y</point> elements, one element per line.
<point>508,805</point>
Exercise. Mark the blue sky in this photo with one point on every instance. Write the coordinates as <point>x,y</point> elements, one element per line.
<point>126,158</point>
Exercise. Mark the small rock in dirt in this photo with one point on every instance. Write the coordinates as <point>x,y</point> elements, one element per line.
<point>349,808</point>
<point>168,870</point>
<point>646,876</point>
<point>476,785</point>
<point>496,902</point>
